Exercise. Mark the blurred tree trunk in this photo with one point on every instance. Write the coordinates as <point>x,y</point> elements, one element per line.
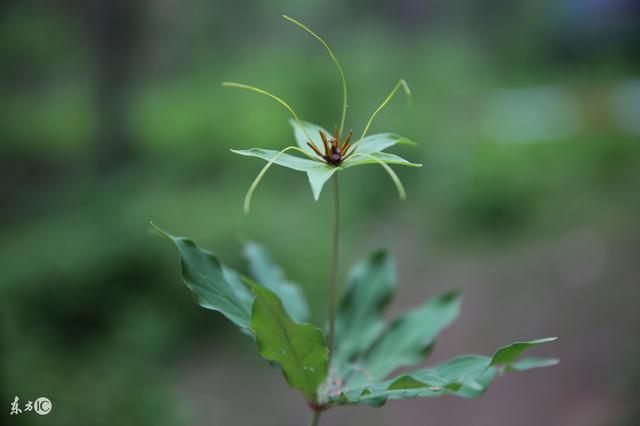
<point>113,27</point>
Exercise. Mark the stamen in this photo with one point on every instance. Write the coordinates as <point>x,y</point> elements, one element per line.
<point>325,142</point>
<point>315,149</point>
<point>345,145</point>
<point>322,136</point>
<point>345,148</point>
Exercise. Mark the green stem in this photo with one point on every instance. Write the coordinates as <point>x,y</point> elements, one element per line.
<point>334,263</point>
<point>315,418</point>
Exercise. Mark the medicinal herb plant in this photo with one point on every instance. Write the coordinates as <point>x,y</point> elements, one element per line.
<point>355,362</point>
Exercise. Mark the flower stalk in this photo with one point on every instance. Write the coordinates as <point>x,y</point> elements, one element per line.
<point>334,264</point>
<point>315,418</point>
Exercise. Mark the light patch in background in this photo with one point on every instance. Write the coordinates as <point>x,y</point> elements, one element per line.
<point>624,105</point>
<point>530,115</point>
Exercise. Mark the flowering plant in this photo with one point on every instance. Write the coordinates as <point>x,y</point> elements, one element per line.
<point>355,363</point>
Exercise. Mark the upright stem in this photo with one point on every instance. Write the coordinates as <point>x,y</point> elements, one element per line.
<point>315,414</point>
<point>334,263</point>
<point>315,418</point>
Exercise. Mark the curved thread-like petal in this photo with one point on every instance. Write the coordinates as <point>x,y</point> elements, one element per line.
<point>254,185</point>
<point>335,61</point>
<point>394,177</point>
<point>407,91</point>
<point>271,95</point>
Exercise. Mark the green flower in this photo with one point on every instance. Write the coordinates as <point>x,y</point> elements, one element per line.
<point>324,155</point>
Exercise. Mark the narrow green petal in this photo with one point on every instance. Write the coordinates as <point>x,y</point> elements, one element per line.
<point>360,158</point>
<point>278,157</point>
<point>318,176</point>
<point>371,158</point>
<point>292,162</point>
<point>379,142</point>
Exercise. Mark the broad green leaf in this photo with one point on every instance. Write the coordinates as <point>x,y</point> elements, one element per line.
<point>359,321</point>
<point>507,354</point>
<point>299,349</point>
<point>410,337</point>
<point>359,159</point>
<point>264,270</point>
<point>281,159</point>
<point>380,142</point>
<point>213,285</point>
<point>319,175</point>
<point>467,376</point>
<point>312,130</point>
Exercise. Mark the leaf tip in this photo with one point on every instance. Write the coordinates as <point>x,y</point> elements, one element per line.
<point>160,231</point>
<point>452,296</point>
<point>380,255</point>
<point>406,141</point>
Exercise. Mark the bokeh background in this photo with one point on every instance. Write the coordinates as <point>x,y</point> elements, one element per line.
<point>527,115</point>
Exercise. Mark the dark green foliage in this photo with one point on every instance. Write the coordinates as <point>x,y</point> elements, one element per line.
<point>368,349</point>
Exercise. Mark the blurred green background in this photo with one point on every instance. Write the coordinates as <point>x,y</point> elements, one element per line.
<point>527,115</point>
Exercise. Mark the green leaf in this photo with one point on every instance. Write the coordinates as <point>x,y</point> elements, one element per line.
<point>531,363</point>
<point>506,355</point>
<point>264,270</point>
<point>213,285</point>
<point>281,159</point>
<point>375,158</point>
<point>312,130</point>
<point>380,142</point>
<point>410,337</point>
<point>467,376</point>
<point>359,321</point>
<point>299,349</point>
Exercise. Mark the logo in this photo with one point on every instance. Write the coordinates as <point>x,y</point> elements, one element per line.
<point>41,406</point>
